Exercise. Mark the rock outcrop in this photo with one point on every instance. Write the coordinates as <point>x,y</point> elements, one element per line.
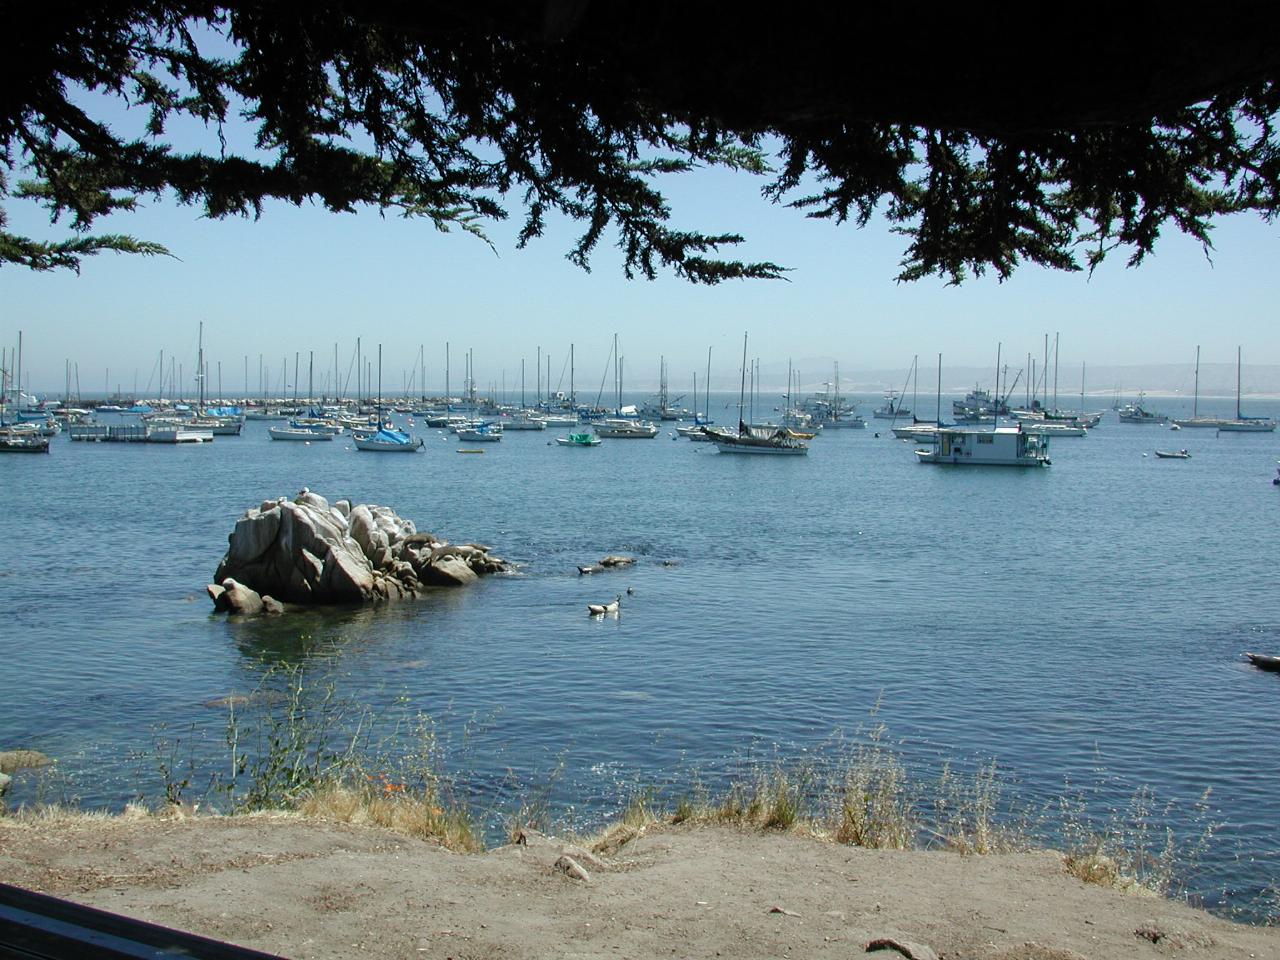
<point>306,551</point>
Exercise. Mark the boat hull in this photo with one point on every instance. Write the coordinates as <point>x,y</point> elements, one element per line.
<point>767,451</point>
<point>1248,426</point>
<point>376,446</point>
<point>305,436</point>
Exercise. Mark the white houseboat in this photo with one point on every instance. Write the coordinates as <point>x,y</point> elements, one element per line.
<point>1003,447</point>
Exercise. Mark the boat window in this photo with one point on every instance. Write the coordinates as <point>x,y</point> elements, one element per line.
<point>986,438</point>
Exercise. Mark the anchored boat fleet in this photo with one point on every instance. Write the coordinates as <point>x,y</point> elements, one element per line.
<point>985,429</point>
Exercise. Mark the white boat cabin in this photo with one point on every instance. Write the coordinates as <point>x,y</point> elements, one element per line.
<point>1004,446</point>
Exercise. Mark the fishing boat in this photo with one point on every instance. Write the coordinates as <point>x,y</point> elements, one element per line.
<point>579,440</point>
<point>1173,454</point>
<point>978,403</point>
<point>1135,412</point>
<point>1264,661</point>
<point>388,440</point>
<point>891,409</point>
<point>297,433</point>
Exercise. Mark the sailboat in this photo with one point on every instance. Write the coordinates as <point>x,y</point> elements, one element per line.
<point>622,427</point>
<point>1243,424</point>
<point>387,439</point>
<point>752,439</point>
<point>1195,420</point>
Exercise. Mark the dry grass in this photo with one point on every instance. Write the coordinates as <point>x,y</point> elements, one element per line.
<point>57,816</point>
<point>419,814</point>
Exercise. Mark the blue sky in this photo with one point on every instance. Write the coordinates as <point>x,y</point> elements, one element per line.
<point>301,279</point>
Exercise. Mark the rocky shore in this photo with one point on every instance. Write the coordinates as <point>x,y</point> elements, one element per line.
<point>307,551</point>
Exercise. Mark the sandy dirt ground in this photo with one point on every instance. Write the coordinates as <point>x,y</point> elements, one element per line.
<point>308,889</point>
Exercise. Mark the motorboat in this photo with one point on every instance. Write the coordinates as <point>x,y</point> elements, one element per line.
<point>1173,454</point>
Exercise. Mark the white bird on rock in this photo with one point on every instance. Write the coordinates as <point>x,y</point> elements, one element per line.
<point>600,609</point>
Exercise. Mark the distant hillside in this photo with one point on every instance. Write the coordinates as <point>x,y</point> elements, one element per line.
<point>1170,379</point>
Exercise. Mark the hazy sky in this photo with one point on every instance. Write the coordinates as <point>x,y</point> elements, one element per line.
<point>301,279</point>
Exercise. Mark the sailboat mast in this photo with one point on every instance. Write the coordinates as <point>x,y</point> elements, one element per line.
<point>200,366</point>
<point>1237,383</point>
<point>938,413</point>
<point>995,410</point>
<point>707,388</point>
<point>1055,373</point>
<point>1195,404</point>
<point>522,383</point>
<point>742,391</point>
<point>915,384</point>
<point>573,395</point>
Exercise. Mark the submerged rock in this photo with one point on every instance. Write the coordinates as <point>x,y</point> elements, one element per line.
<point>11,760</point>
<point>305,551</point>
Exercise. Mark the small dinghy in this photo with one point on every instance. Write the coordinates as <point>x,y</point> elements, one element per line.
<point>1173,454</point>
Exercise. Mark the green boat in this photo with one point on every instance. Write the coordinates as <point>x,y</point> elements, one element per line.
<point>579,440</point>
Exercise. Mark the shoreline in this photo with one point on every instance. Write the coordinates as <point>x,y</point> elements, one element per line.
<point>304,887</point>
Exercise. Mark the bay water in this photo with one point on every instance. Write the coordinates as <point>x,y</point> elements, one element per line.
<point>1082,626</point>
